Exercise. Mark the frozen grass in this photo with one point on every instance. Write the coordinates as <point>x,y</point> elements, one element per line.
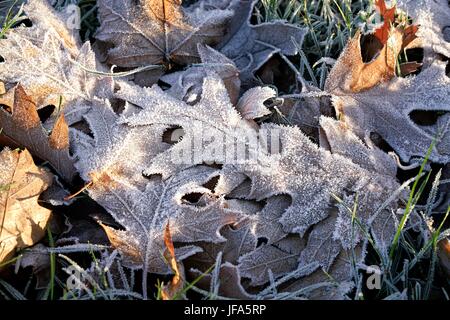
<point>408,265</point>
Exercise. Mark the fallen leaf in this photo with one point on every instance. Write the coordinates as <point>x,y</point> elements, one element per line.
<point>433,17</point>
<point>24,127</point>
<point>351,74</point>
<point>251,105</point>
<point>50,62</point>
<point>175,286</point>
<point>157,31</point>
<point>122,190</point>
<point>187,85</point>
<point>256,264</point>
<point>387,108</point>
<point>251,46</point>
<point>23,220</point>
<point>230,284</point>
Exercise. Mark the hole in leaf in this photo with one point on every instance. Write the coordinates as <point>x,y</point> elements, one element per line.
<point>153,177</point>
<point>276,72</point>
<point>380,142</point>
<point>173,135</point>
<point>262,241</point>
<point>163,85</point>
<point>370,47</point>
<point>446,33</point>
<point>213,165</point>
<point>83,127</point>
<point>192,198</point>
<point>426,118</point>
<point>212,183</point>
<point>118,105</point>
<point>415,54</point>
<point>26,22</point>
<point>45,112</point>
<point>411,62</point>
<point>6,108</point>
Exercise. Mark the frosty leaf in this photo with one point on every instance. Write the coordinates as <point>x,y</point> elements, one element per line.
<point>259,224</point>
<point>250,46</point>
<point>280,258</point>
<point>130,207</point>
<point>341,140</point>
<point>122,190</point>
<point>333,284</point>
<point>265,224</point>
<point>433,17</point>
<point>23,220</point>
<point>239,241</point>
<point>213,116</point>
<point>322,247</point>
<point>111,143</point>
<point>45,17</point>
<point>251,105</point>
<point>157,31</point>
<point>295,172</point>
<point>386,110</point>
<point>187,85</point>
<point>229,280</point>
<point>48,61</point>
<point>23,126</point>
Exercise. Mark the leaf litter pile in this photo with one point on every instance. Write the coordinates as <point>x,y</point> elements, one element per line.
<point>90,122</point>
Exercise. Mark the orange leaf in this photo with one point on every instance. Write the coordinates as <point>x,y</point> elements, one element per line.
<point>389,17</point>
<point>171,290</point>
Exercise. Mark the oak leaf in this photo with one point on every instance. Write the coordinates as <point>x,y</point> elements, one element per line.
<point>386,110</point>
<point>288,174</point>
<point>351,74</point>
<point>369,99</point>
<point>187,85</point>
<point>251,46</point>
<point>433,17</point>
<point>157,31</point>
<point>24,127</point>
<point>50,62</point>
<point>23,220</point>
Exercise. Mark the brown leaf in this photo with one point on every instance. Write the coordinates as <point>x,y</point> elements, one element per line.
<point>2,88</point>
<point>23,220</point>
<point>409,35</point>
<point>130,253</point>
<point>351,74</point>
<point>158,31</point>
<point>408,68</point>
<point>174,287</point>
<point>23,126</point>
